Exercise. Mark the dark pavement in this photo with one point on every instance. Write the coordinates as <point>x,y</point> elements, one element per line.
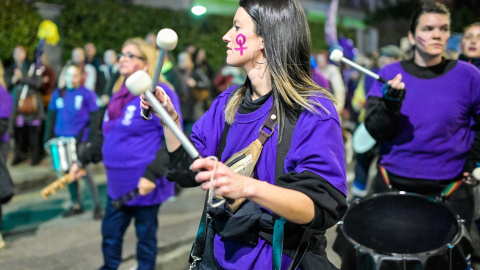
<point>38,237</point>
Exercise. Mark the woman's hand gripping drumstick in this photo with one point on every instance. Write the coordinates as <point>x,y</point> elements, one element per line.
<point>62,182</point>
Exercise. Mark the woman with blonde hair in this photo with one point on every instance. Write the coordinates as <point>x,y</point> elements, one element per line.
<point>130,149</point>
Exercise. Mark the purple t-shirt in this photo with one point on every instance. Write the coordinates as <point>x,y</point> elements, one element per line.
<point>316,146</point>
<point>433,135</point>
<point>130,144</point>
<point>6,103</point>
<point>73,111</point>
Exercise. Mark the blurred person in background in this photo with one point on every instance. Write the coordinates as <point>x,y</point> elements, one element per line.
<point>185,66</point>
<point>91,55</point>
<point>202,84</point>
<point>28,110</point>
<point>20,63</point>
<point>228,76</point>
<point>317,76</point>
<point>471,44</point>
<point>72,113</point>
<point>108,75</point>
<point>6,184</point>
<point>89,72</point>
<point>334,77</point>
<point>172,74</point>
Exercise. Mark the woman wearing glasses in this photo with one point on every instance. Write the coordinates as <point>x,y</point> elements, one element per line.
<point>130,149</point>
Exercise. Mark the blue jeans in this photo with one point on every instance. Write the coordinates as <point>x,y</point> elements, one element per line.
<point>114,225</point>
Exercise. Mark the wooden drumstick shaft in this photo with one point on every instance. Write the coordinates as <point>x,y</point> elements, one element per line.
<point>59,184</point>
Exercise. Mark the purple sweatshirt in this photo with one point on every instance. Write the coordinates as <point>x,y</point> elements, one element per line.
<point>130,144</point>
<point>433,135</point>
<point>6,103</point>
<point>316,146</point>
<point>73,111</point>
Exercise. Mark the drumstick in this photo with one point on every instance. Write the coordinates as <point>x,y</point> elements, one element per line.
<point>59,184</point>
<point>337,56</point>
<point>166,40</point>
<point>138,83</point>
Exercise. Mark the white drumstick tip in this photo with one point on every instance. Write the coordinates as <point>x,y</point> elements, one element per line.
<point>138,82</point>
<point>336,56</point>
<point>476,173</point>
<point>167,39</point>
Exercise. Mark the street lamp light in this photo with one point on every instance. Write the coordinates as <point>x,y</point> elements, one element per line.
<point>198,10</point>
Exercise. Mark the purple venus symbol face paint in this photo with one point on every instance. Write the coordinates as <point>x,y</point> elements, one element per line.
<point>241,39</point>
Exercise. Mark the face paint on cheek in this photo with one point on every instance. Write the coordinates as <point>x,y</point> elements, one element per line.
<point>421,41</point>
<point>241,39</point>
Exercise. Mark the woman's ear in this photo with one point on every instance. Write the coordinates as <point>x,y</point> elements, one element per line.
<point>411,38</point>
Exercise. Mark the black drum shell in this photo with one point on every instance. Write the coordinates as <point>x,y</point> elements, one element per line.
<point>399,230</point>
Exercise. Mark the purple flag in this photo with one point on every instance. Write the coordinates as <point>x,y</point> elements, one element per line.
<point>331,24</point>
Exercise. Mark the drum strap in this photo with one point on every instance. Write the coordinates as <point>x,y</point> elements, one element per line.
<point>451,188</point>
<point>446,192</point>
<point>385,177</point>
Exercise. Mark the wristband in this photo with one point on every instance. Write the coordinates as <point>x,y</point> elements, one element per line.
<point>177,121</point>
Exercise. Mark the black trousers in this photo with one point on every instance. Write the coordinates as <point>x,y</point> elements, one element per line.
<point>27,140</point>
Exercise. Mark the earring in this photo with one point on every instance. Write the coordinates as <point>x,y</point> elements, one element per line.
<point>253,56</point>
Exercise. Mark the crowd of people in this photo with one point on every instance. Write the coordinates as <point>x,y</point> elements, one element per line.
<point>263,105</point>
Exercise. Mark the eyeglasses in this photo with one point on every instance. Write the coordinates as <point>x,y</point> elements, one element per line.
<point>130,56</point>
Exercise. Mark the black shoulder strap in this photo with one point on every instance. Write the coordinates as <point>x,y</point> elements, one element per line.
<point>282,147</point>
<point>282,151</point>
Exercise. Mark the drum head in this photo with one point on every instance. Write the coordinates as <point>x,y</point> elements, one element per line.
<point>362,140</point>
<point>402,223</point>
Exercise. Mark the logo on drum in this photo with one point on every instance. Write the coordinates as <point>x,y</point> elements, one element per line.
<point>78,102</point>
<point>129,113</point>
<point>59,103</point>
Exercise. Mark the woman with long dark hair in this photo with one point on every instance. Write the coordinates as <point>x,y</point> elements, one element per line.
<point>293,188</point>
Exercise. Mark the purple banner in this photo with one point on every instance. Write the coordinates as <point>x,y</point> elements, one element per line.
<point>331,24</point>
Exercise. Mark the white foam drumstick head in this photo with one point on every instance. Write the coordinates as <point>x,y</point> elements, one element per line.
<point>336,56</point>
<point>167,39</point>
<point>476,173</point>
<point>138,82</point>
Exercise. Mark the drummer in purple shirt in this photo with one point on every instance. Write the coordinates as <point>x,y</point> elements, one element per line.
<point>271,41</point>
<point>424,117</point>
<point>131,150</point>
<point>71,113</point>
